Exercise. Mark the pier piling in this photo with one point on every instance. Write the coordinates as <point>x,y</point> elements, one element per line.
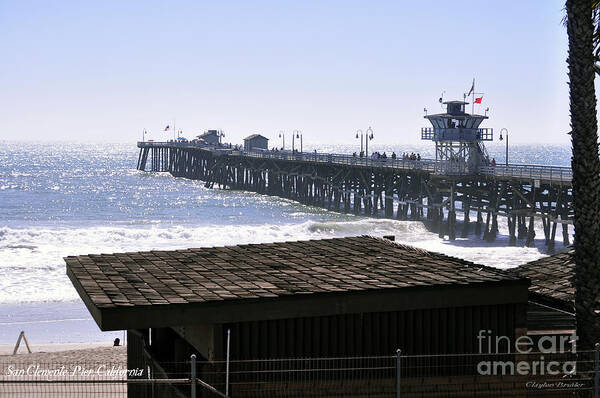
<point>400,189</point>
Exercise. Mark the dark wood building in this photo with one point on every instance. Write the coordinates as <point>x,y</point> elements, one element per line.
<point>256,141</point>
<point>551,308</point>
<point>331,297</point>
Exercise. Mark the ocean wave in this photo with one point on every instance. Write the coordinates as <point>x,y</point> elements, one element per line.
<point>31,259</point>
<point>44,321</point>
<point>28,247</point>
<point>367,226</point>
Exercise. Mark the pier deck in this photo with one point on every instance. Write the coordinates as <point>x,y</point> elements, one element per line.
<point>428,190</point>
<point>557,174</point>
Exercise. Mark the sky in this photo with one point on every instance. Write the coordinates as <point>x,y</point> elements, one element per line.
<point>107,70</point>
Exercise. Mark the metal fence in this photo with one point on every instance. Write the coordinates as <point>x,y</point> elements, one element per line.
<point>529,172</point>
<point>457,375</point>
<point>457,134</point>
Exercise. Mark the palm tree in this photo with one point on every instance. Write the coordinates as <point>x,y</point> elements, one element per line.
<point>596,21</point>
<point>583,53</point>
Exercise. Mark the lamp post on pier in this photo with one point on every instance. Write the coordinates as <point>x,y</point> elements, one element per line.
<point>282,136</point>
<point>368,137</point>
<point>298,134</point>
<point>144,136</point>
<point>361,139</point>
<point>506,133</point>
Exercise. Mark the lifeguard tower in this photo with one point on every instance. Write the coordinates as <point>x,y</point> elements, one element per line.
<point>459,147</point>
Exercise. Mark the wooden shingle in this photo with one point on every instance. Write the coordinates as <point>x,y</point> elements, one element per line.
<point>268,271</point>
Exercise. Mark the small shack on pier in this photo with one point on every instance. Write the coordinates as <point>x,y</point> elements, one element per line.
<point>211,137</point>
<point>256,141</point>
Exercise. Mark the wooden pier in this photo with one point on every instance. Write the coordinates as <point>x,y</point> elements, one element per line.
<point>423,190</point>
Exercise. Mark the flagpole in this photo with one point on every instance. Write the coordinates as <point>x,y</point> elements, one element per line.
<point>473,100</point>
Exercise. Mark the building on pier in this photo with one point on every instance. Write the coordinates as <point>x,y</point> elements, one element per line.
<point>211,137</point>
<point>256,141</point>
<point>458,139</point>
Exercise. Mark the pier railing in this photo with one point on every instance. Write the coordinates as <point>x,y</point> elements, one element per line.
<point>423,164</point>
<point>517,171</point>
<point>529,171</point>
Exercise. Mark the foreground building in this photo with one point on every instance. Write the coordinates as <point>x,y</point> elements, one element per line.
<point>357,296</point>
<point>551,308</point>
<point>331,297</point>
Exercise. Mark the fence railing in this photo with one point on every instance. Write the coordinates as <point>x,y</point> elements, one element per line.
<point>495,375</point>
<point>456,134</point>
<point>529,171</point>
<point>520,171</point>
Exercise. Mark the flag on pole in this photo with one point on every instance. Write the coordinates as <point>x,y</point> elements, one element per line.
<point>167,128</point>
<point>478,100</point>
<point>472,88</point>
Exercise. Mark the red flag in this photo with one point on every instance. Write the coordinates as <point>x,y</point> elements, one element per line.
<point>478,100</point>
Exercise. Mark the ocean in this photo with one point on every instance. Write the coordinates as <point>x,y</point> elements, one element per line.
<point>61,199</point>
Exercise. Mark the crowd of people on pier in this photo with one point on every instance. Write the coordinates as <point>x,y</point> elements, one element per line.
<point>378,155</point>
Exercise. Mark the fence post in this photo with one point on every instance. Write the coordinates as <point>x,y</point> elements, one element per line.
<point>596,371</point>
<point>227,365</point>
<point>398,354</point>
<point>193,375</point>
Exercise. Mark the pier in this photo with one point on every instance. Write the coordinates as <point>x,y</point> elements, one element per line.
<point>460,181</point>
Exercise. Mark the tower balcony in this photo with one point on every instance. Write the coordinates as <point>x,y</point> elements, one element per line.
<point>457,134</point>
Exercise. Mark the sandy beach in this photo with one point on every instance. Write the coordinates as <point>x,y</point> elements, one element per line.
<point>63,369</point>
<point>74,358</point>
<point>65,353</point>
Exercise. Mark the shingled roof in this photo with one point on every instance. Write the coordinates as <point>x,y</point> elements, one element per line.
<point>551,294</point>
<point>551,278</point>
<point>252,136</point>
<point>252,272</point>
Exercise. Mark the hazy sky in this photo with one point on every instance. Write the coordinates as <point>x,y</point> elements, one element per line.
<point>105,70</point>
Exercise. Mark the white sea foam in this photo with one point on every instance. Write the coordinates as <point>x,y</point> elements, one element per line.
<point>33,270</point>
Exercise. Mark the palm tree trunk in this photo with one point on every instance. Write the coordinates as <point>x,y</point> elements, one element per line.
<point>586,170</point>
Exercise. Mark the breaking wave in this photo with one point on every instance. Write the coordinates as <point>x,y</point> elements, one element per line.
<point>31,259</point>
